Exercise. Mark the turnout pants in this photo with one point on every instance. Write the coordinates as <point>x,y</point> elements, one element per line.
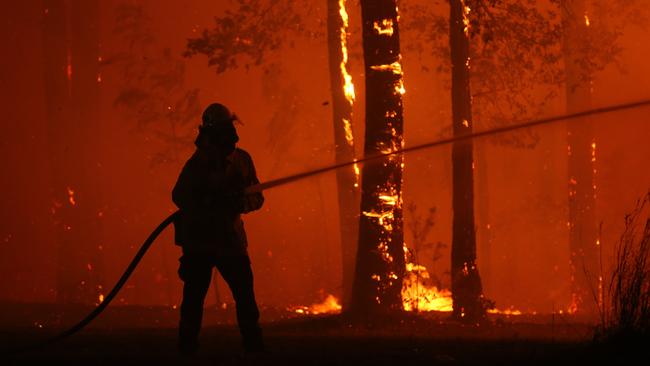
<point>196,272</point>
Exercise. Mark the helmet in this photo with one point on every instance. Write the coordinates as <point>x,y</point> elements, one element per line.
<point>216,114</point>
<point>218,124</point>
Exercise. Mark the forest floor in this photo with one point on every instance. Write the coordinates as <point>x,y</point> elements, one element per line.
<point>133,336</point>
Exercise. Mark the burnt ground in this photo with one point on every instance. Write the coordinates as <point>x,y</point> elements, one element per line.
<point>138,336</point>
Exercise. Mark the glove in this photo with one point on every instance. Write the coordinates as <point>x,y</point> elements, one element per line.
<point>252,202</point>
<point>244,203</point>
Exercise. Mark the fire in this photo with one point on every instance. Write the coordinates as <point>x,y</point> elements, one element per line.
<point>384,28</point>
<point>395,68</point>
<point>587,22</point>
<point>383,218</point>
<point>101,298</point>
<point>466,22</point>
<point>575,300</point>
<point>349,137</point>
<point>330,305</point>
<point>510,311</point>
<point>399,87</point>
<point>418,296</point>
<point>593,165</point>
<point>348,86</point>
<point>71,197</point>
<point>384,215</point>
<point>357,173</point>
<point>68,67</point>
<point>388,200</point>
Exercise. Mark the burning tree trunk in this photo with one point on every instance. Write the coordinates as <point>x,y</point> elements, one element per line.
<point>342,101</point>
<point>583,237</point>
<point>380,257</point>
<point>465,280</point>
<point>71,51</point>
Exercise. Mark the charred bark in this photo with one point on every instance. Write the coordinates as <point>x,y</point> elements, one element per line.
<point>380,256</point>
<point>347,185</point>
<point>466,286</point>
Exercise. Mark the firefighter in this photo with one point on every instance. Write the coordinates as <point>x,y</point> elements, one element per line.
<point>209,195</point>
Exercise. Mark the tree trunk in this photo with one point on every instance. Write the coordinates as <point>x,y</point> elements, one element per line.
<point>380,256</point>
<point>485,251</point>
<point>70,32</point>
<point>342,100</point>
<point>583,230</point>
<point>465,280</point>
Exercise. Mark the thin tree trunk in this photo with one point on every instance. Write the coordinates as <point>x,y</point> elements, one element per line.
<point>485,251</point>
<point>583,230</point>
<point>55,51</point>
<point>342,100</point>
<point>86,98</point>
<point>465,280</point>
<point>70,41</point>
<point>380,257</point>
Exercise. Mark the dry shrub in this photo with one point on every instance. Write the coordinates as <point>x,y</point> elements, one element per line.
<point>628,311</point>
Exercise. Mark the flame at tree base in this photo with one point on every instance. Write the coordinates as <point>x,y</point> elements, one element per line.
<point>330,305</point>
<point>418,296</point>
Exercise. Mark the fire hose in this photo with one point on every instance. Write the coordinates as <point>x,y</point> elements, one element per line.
<point>292,178</point>
<point>109,297</point>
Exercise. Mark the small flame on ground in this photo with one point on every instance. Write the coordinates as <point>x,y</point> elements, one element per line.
<point>573,308</point>
<point>510,311</point>
<point>417,296</point>
<point>330,305</point>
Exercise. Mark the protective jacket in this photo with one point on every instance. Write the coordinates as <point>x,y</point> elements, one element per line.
<point>209,194</point>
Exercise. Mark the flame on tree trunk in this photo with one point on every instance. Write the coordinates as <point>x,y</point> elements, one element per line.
<point>581,149</point>
<point>71,78</point>
<point>380,263</point>
<point>465,280</point>
<point>343,96</point>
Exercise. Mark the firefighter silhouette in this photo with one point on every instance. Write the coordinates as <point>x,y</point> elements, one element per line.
<point>209,195</point>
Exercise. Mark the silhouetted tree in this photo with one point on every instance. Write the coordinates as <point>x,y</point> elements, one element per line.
<point>581,147</point>
<point>519,64</point>
<point>590,34</point>
<point>153,92</point>
<point>466,286</point>
<point>380,255</point>
<point>343,96</point>
<point>71,53</point>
